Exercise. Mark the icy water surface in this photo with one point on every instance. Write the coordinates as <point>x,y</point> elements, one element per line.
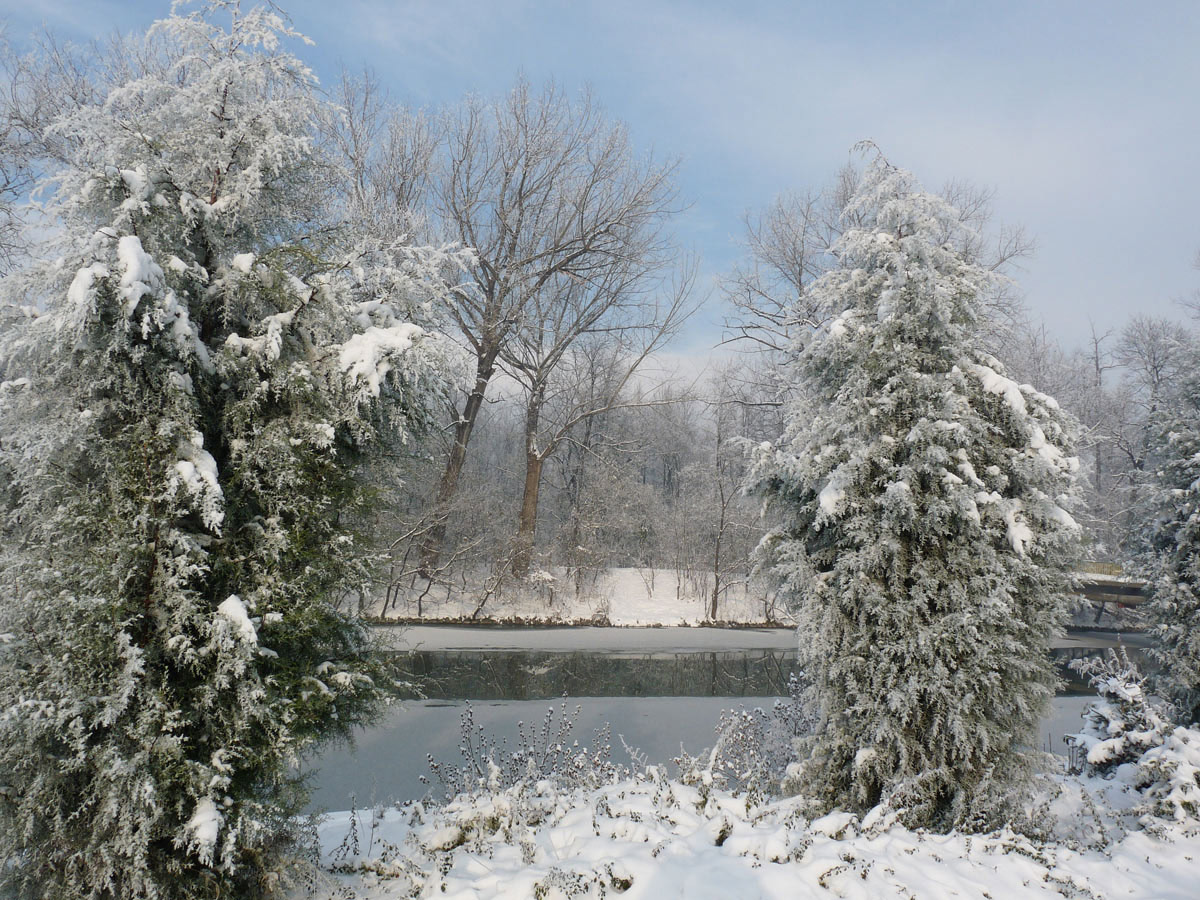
<point>665,690</point>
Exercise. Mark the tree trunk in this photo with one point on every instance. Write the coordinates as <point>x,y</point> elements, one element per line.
<point>575,494</point>
<point>716,591</point>
<point>534,458</point>
<point>431,546</point>
<point>722,507</point>
<point>527,523</point>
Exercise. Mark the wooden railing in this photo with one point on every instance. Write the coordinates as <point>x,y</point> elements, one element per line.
<point>1110,590</point>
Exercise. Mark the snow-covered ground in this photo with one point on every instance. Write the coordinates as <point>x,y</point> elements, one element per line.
<point>661,839</point>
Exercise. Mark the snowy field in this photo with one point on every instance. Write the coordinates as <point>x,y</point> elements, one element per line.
<point>656,838</point>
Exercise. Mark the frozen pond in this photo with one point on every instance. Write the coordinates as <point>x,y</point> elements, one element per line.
<point>658,688</point>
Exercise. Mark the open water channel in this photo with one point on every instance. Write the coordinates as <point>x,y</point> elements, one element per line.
<point>659,689</point>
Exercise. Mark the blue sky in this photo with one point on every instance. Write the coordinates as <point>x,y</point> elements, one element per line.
<point>1080,115</point>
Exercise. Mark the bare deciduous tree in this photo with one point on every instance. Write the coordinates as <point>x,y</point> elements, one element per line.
<point>732,517</point>
<point>385,152</point>
<point>789,245</point>
<point>1153,350</point>
<point>560,212</point>
<point>787,248</point>
<point>580,344</point>
<point>37,88</point>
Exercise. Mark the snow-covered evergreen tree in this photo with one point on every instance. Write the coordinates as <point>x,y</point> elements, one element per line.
<point>1128,736</point>
<point>924,531</point>
<point>1172,555</point>
<point>181,427</point>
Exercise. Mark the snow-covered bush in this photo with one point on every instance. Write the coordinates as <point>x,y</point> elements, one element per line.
<point>1125,722</point>
<point>215,359</point>
<point>754,747</point>
<point>542,753</point>
<point>1128,736</point>
<point>925,531</point>
<point>1169,776</point>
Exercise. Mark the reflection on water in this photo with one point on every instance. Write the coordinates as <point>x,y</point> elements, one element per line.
<point>534,675</point>
<point>524,675</point>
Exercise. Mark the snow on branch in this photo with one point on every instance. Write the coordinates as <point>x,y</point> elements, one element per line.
<point>367,358</point>
<point>195,473</point>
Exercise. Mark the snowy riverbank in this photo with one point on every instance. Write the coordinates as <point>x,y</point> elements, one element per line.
<point>618,596</point>
<point>663,833</point>
<point>658,712</point>
<point>624,597</point>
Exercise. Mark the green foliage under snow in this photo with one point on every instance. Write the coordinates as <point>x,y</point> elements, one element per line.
<point>1172,539</point>
<point>182,430</point>
<point>1128,737</point>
